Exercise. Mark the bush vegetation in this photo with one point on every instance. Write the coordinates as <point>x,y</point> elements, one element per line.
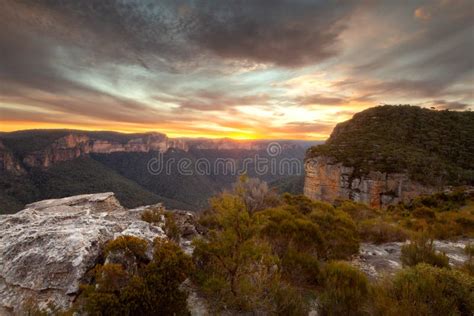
<point>440,216</point>
<point>423,251</point>
<point>425,290</point>
<point>265,254</point>
<point>346,290</point>
<point>263,258</point>
<point>433,147</point>
<point>158,215</point>
<point>468,266</point>
<point>152,288</point>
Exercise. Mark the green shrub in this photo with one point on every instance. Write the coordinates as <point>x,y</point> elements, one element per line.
<point>130,245</point>
<point>345,292</point>
<point>469,251</point>
<point>305,205</point>
<point>424,212</point>
<point>422,250</point>
<point>297,241</point>
<point>234,267</point>
<point>158,215</point>
<point>426,290</point>
<point>172,230</point>
<point>153,289</point>
<point>153,215</point>
<point>359,211</point>
<point>287,300</point>
<point>378,231</point>
<point>441,201</point>
<point>468,266</point>
<point>339,232</point>
<point>285,229</point>
<point>300,268</point>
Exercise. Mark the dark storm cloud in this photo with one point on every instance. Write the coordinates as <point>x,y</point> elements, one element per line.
<point>281,32</point>
<point>38,36</point>
<point>147,32</point>
<point>39,39</point>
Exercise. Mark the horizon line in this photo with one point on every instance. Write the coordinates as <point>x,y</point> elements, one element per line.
<point>165,134</point>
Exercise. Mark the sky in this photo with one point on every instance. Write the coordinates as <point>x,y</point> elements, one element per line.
<point>273,69</point>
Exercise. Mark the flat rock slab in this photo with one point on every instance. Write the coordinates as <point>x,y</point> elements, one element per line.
<point>47,248</point>
<point>377,260</point>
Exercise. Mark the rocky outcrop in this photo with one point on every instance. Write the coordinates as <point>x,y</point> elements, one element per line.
<point>75,145</point>
<point>328,180</point>
<point>379,260</point>
<point>47,248</point>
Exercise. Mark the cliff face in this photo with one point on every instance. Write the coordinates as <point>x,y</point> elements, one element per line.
<point>388,154</point>
<point>47,248</point>
<point>328,180</point>
<point>8,162</point>
<point>76,145</point>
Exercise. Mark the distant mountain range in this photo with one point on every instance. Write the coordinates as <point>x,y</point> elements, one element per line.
<point>40,164</point>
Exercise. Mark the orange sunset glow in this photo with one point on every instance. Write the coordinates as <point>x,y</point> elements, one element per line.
<point>197,71</point>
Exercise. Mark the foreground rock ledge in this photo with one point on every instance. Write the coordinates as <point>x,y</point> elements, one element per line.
<point>47,248</point>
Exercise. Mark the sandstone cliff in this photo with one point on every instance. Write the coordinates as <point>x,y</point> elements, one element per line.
<point>328,180</point>
<point>46,147</point>
<point>47,248</point>
<point>75,145</point>
<point>388,154</point>
<point>8,162</point>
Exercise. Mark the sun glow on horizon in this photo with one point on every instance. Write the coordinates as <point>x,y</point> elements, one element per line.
<point>243,135</point>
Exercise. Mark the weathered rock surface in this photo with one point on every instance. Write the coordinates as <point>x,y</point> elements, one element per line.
<point>328,180</point>
<point>378,260</point>
<point>47,248</point>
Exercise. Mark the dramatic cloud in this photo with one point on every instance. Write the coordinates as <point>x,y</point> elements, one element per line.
<point>246,68</point>
<point>446,105</point>
<point>281,32</point>
<point>320,99</point>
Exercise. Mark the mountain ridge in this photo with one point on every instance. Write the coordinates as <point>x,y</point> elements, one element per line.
<point>39,164</point>
<point>388,154</point>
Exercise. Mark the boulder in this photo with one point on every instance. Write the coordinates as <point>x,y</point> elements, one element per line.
<point>47,248</point>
